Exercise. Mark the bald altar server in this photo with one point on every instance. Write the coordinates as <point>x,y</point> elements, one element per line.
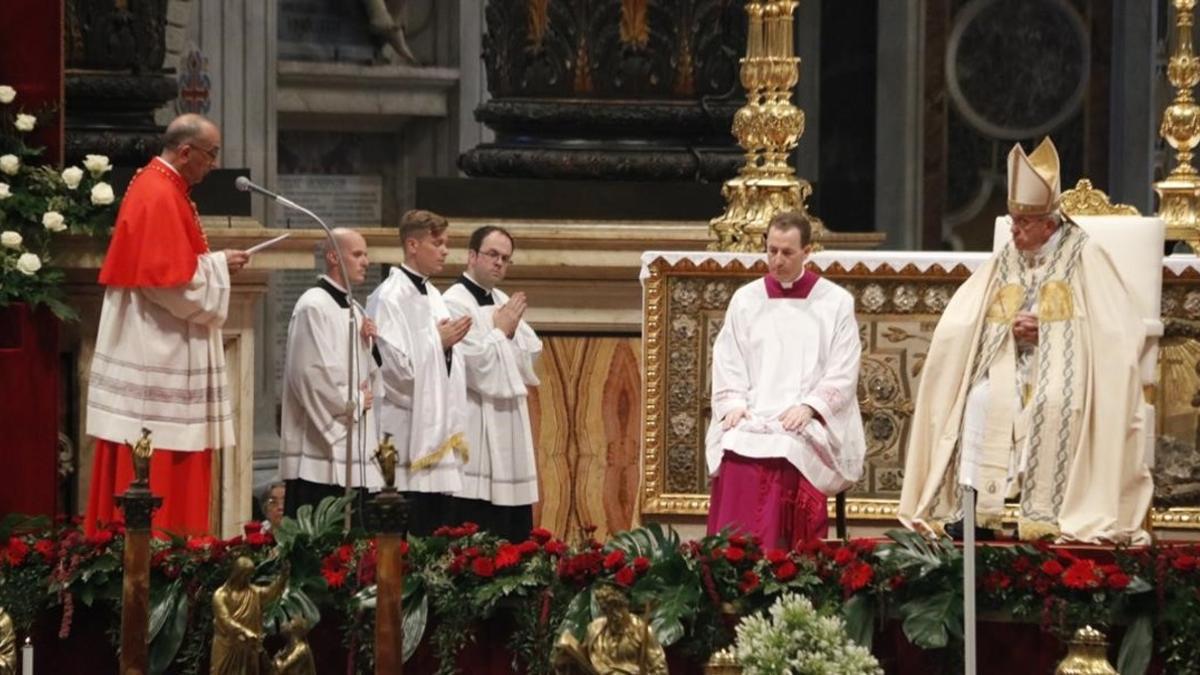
<point>1031,384</point>
<point>316,386</point>
<point>424,387</point>
<point>499,353</point>
<point>159,362</point>
<point>786,430</point>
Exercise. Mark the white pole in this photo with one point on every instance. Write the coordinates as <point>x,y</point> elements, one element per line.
<point>969,581</point>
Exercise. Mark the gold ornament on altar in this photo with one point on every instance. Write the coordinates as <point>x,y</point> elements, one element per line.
<point>142,451</point>
<point>296,658</point>
<point>237,607</point>
<point>8,645</point>
<point>1179,193</point>
<point>617,643</point>
<point>723,662</point>
<point>387,457</point>
<point>768,128</point>
<point>1086,655</point>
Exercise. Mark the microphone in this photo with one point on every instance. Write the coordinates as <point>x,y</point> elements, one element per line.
<point>246,185</point>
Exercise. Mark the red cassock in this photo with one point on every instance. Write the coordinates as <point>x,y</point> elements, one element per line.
<point>154,364</point>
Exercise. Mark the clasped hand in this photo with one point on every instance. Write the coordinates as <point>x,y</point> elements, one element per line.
<point>1025,328</point>
<point>794,419</point>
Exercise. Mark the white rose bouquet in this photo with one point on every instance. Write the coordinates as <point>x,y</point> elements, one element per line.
<point>38,205</point>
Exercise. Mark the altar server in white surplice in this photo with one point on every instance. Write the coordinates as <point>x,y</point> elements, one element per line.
<point>424,388</point>
<point>314,425</point>
<point>500,479</point>
<point>786,430</point>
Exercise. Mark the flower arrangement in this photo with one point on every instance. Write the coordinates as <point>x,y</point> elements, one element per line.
<point>799,640</point>
<point>39,203</point>
<point>692,592</point>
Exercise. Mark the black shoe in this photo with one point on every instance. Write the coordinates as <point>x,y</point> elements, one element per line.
<point>955,531</point>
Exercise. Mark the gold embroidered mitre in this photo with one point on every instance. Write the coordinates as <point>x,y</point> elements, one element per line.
<point>1033,180</point>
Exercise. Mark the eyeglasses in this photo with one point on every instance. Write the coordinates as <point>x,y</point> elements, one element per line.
<point>496,256</point>
<point>211,152</point>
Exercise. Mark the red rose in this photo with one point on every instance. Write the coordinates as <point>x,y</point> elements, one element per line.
<point>1117,580</point>
<point>641,564</point>
<point>1052,568</point>
<point>104,537</point>
<point>734,555</point>
<point>843,556</point>
<point>457,565</point>
<point>159,558</point>
<point>750,581</point>
<point>1022,565</point>
<point>471,551</point>
<point>1081,574</point>
<point>507,556</point>
<point>863,546</point>
<point>252,527</point>
<point>403,547</point>
<point>776,556</point>
<point>443,531</point>
<point>625,576</point>
<point>556,547</point>
<point>786,571</point>
<point>896,582</point>
<point>334,578</point>
<point>469,529</point>
<point>483,567</point>
<point>18,550</point>
<point>996,580</point>
<point>737,540</point>
<point>1184,563</point>
<point>46,549</point>
<point>614,560</point>
<point>857,576</point>
<point>527,547</point>
<point>541,535</point>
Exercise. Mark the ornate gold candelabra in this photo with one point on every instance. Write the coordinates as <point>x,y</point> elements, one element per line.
<point>767,127</point>
<point>1179,193</point>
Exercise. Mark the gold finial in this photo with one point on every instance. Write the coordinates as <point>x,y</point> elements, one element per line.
<point>387,456</point>
<point>768,128</point>
<point>1178,194</point>
<point>142,450</point>
<point>1086,655</point>
<point>1085,200</point>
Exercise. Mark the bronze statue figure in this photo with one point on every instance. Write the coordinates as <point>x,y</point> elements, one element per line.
<point>387,456</point>
<point>617,643</point>
<point>8,645</point>
<point>237,607</point>
<point>142,450</point>
<point>296,658</point>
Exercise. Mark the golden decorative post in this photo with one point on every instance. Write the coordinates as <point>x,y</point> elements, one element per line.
<point>390,516</point>
<point>1179,194</point>
<point>138,504</point>
<point>1086,655</point>
<point>767,127</point>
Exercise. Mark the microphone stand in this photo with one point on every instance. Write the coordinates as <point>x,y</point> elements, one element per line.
<point>351,327</point>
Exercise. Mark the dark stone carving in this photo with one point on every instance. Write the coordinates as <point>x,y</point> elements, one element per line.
<point>387,512</point>
<point>115,81</point>
<point>138,505</point>
<point>111,35</point>
<point>572,78</point>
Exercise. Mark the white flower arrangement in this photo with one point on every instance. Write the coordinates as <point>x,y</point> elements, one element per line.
<point>796,639</point>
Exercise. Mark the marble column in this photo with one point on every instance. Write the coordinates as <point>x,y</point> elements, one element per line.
<point>898,124</point>
<point>1134,115</point>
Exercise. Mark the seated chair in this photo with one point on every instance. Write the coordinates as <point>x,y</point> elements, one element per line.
<point>1135,243</point>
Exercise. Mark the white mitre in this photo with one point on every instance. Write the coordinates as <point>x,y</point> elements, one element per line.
<point>1033,180</point>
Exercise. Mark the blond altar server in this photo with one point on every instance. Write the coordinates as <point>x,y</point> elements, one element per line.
<point>1031,384</point>
<point>786,430</point>
<point>500,478</point>
<point>159,362</point>
<point>424,388</point>
<point>316,386</point>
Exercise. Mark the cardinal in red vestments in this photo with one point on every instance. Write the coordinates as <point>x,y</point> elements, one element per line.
<point>159,362</point>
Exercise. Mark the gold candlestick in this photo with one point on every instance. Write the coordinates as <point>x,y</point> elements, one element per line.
<point>768,127</point>
<point>1179,193</point>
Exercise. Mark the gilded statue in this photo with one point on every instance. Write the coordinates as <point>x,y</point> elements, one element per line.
<point>237,647</point>
<point>617,643</point>
<point>387,457</point>
<point>142,450</point>
<point>8,645</point>
<point>296,658</point>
